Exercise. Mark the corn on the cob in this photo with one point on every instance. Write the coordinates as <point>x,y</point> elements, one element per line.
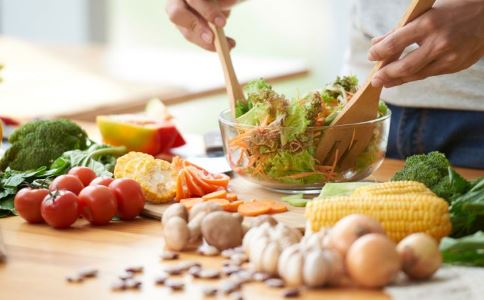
<point>393,188</point>
<point>400,214</point>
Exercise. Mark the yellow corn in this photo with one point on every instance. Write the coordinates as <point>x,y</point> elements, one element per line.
<point>400,214</point>
<point>393,188</point>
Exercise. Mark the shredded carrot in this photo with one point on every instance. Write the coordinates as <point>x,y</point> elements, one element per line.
<point>214,195</point>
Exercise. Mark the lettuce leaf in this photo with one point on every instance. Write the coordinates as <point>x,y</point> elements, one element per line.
<point>254,86</point>
<point>255,115</point>
<point>294,124</point>
<point>285,163</point>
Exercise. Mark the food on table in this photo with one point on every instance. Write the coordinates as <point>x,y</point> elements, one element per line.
<point>276,138</point>
<point>85,174</point>
<point>60,209</point>
<point>222,230</point>
<point>372,261</point>
<point>347,230</point>
<point>264,244</point>
<point>27,204</point>
<point>466,250</point>
<point>97,204</point>
<point>420,256</point>
<point>129,198</point>
<point>67,182</point>
<point>295,200</point>
<point>254,208</point>
<point>139,133</point>
<point>38,143</point>
<point>106,181</point>
<point>156,177</point>
<point>400,214</point>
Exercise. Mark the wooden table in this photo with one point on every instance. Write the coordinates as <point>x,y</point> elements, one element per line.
<point>80,82</point>
<point>39,258</point>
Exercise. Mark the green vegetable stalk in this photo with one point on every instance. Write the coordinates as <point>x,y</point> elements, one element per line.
<point>468,250</point>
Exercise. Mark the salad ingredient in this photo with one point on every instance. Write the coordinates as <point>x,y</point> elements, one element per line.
<point>420,256</point>
<point>176,233</point>
<point>221,194</point>
<point>222,202</point>
<point>98,204</point>
<point>400,214</point>
<point>106,181</point>
<point>174,210</point>
<point>433,170</point>
<point>222,230</point>
<point>139,133</point>
<point>466,250</point>
<point>393,188</point>
<point>38,143</point>
<point>27,204</point>
<point>373,261</point>
<point>99,158</point>
<point>67,182</point>
<point>254,208</point>
<point>85,174</point>
<point>202,208</point>
<point>231,197</point>
<point>190,202</point>
<point>156,177</point>
<point>233,206</point>
<point>350,228</point>
<point>60,209</point>
<point>341,188</point>
<point>276,207</point>
<point>129,198</point>
<point>467,210</point>
<point>277,137</point>
<point>265,242</point>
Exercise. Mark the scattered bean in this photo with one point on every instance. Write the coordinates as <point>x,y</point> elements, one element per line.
<point>238,249</point>
<point>229,286</point>
<point>132,284</point>
<point>260,276</point>
<point>195,271</point>
<point>88,272</point>
<point>169,255</point>
<point>126,275</point>
<point>207,250</point>
<point>236,296</point>
<point>74,278</point>
<point>185,265</point>
<point>134,269</point>
<point>239,259</point>
<point>209,291</point>
<point>291,293</point>
<point>227,253</point>
<point>209,274</point>
<point>175,285</point>
<point>118,285</point>
<point>242,276</point>
<point>275,283</point>
<point>173,270</point>
<point>161,278</point>
<point>230,269</point>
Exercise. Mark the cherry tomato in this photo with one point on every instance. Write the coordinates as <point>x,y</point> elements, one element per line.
<point>129,197</point>
<point>67,182</point>
<point>102,181</point>
<point>85,174</point>
<point>98,204</point>
<point>60,209</point>
<point>27,203</point>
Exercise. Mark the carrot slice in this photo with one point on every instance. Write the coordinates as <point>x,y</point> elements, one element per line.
<point>276,207</point>
<point>254,208</point>
<point>190,202</point>
<point>219,201</point>
<point>180,187</point>
<point>193,188</point>
<point>218,179</point>
<point>197,177</point>
<point>221,194</point>
<point>231,197</point>
<point>233,206</point>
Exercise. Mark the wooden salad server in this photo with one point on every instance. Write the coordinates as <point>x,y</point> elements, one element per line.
<point>342,144</point>
<point>234,90</point>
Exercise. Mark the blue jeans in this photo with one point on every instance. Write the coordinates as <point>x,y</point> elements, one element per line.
<point>458,134</point>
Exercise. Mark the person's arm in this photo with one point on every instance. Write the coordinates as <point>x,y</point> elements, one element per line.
<point>450,38</point>
<point>192,17</point>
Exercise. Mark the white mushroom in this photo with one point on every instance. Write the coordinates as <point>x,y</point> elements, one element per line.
<point>176,233</point>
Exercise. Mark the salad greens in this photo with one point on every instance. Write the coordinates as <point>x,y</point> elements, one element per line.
<point>280,135</point>
<point>468,250</point>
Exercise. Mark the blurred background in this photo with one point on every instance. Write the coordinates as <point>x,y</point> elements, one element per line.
<point>70,54</point>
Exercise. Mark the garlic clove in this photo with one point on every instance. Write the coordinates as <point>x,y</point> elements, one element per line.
<point>316,269</point>
<point>270,257</point>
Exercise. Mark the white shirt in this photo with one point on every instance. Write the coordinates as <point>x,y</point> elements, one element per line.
<point>370,18</point>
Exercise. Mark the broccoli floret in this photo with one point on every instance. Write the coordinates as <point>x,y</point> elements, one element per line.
<point>433,170</point>
<point>39,143</point>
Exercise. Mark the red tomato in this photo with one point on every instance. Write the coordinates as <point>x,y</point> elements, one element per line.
<point>27,203</point>
<point>85,174</point>
<point>67,182</point>
<point>60,209</point>
<point>102,181</point>
<point>129,197</point>
<point>98,204</point>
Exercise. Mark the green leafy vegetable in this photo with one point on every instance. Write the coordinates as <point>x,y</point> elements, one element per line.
<point>39,143</point>
<point>294,124</point>
<point>255,115</point>
<point>284,164</point>
<point>467,211</point>
<point>468,250</point>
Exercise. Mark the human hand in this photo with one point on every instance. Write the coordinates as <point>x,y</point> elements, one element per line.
<point>192,17</point>
<point>450,38</point>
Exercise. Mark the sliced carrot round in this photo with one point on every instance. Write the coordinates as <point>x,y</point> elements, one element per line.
<point>221,194</point>
<point>254,208</point>
<point>197,177</point>
<point>193,187</point>
<point>233,206</point>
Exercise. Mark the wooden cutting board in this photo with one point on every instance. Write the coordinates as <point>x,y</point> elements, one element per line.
<point>246,191</point>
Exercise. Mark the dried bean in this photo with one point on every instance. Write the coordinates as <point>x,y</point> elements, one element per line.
<point>126,275</point>
<point>229,286</point>
<point>230,269</point>
<point>236,296</point>
<point>88,272</point>
<point>207,250</point>
<point>185,265</point>
<point>118,285</point>
<point>74,278</point>
<point>209,291</point>
<point>173,270</point>
<point>275,283</point>
<point>161,278</point>
<point>291,293</point>
<point>209,274</point>
<point>239,258</point>
<point>132,284</point>
<point>227,253</point>
<point>134,269</point>
<point>175,285</point>
<point>195,271</point>
<point>169,255</point>
<point>260,276</point>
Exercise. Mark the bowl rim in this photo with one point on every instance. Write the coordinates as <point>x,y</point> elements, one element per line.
<point>225,121</point>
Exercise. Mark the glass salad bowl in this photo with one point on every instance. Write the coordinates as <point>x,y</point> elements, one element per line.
<point>260,154</point>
